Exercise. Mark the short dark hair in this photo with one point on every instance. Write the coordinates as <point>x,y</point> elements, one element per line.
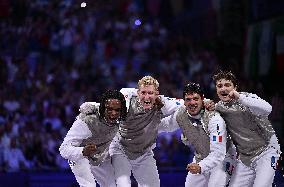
<point>227,75</point>
<point>113,94</point>
<point>192,88</point>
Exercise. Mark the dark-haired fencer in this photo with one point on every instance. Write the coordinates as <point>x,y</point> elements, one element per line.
<point>246,117</point>
<point>86,145</point>
<point>206,132</point>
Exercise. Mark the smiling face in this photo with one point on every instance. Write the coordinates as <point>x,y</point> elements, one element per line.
<point>223,88</point>
<point>148,91</point>
<point>194,103</point>
<point>112,111</point>
<point>147,95</point>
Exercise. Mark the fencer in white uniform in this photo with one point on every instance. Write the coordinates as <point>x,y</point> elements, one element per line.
<point>131,149</point>
<point>206,132</point>
<point>86,145</point>
<point>246,117</point>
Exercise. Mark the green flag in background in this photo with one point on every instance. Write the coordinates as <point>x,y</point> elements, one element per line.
<point>259,49</point>
<point>251,51</point>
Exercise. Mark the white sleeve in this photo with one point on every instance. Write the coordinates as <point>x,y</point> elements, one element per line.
<point>70,148</point>
<point>170,105</point>
<point>218,140</point>
<point>257,105</point>
<point>128,93</point>
<point>168,124</point>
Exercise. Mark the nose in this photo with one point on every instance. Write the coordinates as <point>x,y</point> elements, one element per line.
<point>114,113</point>
<point>192,102</point>
<point>147,95</point>
<point>222,88</point>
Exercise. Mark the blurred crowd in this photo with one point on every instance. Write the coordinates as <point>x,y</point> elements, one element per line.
<point>55,55</point>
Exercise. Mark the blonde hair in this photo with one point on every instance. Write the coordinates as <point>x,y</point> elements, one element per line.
<point>148,80</point>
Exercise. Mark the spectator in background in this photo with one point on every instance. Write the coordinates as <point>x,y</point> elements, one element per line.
<point>13,157</point>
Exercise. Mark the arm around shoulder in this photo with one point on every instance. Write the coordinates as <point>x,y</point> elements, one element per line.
<point>169,123</point>
<point>170,105</point>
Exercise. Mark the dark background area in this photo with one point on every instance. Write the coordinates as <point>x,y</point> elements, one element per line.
<point>55,55</point>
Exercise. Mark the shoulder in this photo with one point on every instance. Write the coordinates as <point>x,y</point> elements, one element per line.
<point>89,108</point>
<point>181,113</point>
<point>168,101</point>
<point>213,115</point>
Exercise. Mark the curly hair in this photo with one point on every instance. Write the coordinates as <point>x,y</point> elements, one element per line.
<point>148,80</point>
<point>112,94</point>
<point>227,75</point>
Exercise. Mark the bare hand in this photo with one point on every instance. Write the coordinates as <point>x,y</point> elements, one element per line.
<point>209,105</point>
<point>194,168</point>
<point>89,150</point>
<point>234,95</point>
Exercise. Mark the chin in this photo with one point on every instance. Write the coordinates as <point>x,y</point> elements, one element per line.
<point>148,107</point>
<point>226,100</point>
<point>223,98</point>
<point>193,113</point>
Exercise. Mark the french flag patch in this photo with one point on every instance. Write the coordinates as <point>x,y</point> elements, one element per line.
<point>217,138</point>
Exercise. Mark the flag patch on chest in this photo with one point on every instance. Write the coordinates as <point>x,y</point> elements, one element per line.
<point>217,138</point>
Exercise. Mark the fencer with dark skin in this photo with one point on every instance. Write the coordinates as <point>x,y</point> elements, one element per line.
<point>112,114</point>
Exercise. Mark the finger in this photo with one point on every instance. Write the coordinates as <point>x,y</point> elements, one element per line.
<point>91,144</point>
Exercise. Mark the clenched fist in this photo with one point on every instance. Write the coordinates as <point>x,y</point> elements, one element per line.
<point>158,102</point>
<point>234,95</point>
<point>194,168</point>
<point>89,150</point>
<point>209,105</point>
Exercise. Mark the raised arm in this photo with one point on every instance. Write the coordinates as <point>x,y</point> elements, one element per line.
<point>257,105</point>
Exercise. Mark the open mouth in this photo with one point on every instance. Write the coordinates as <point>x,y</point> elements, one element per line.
<point>192,107</point>
<point>147,102</point>
<point>224,94</point>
